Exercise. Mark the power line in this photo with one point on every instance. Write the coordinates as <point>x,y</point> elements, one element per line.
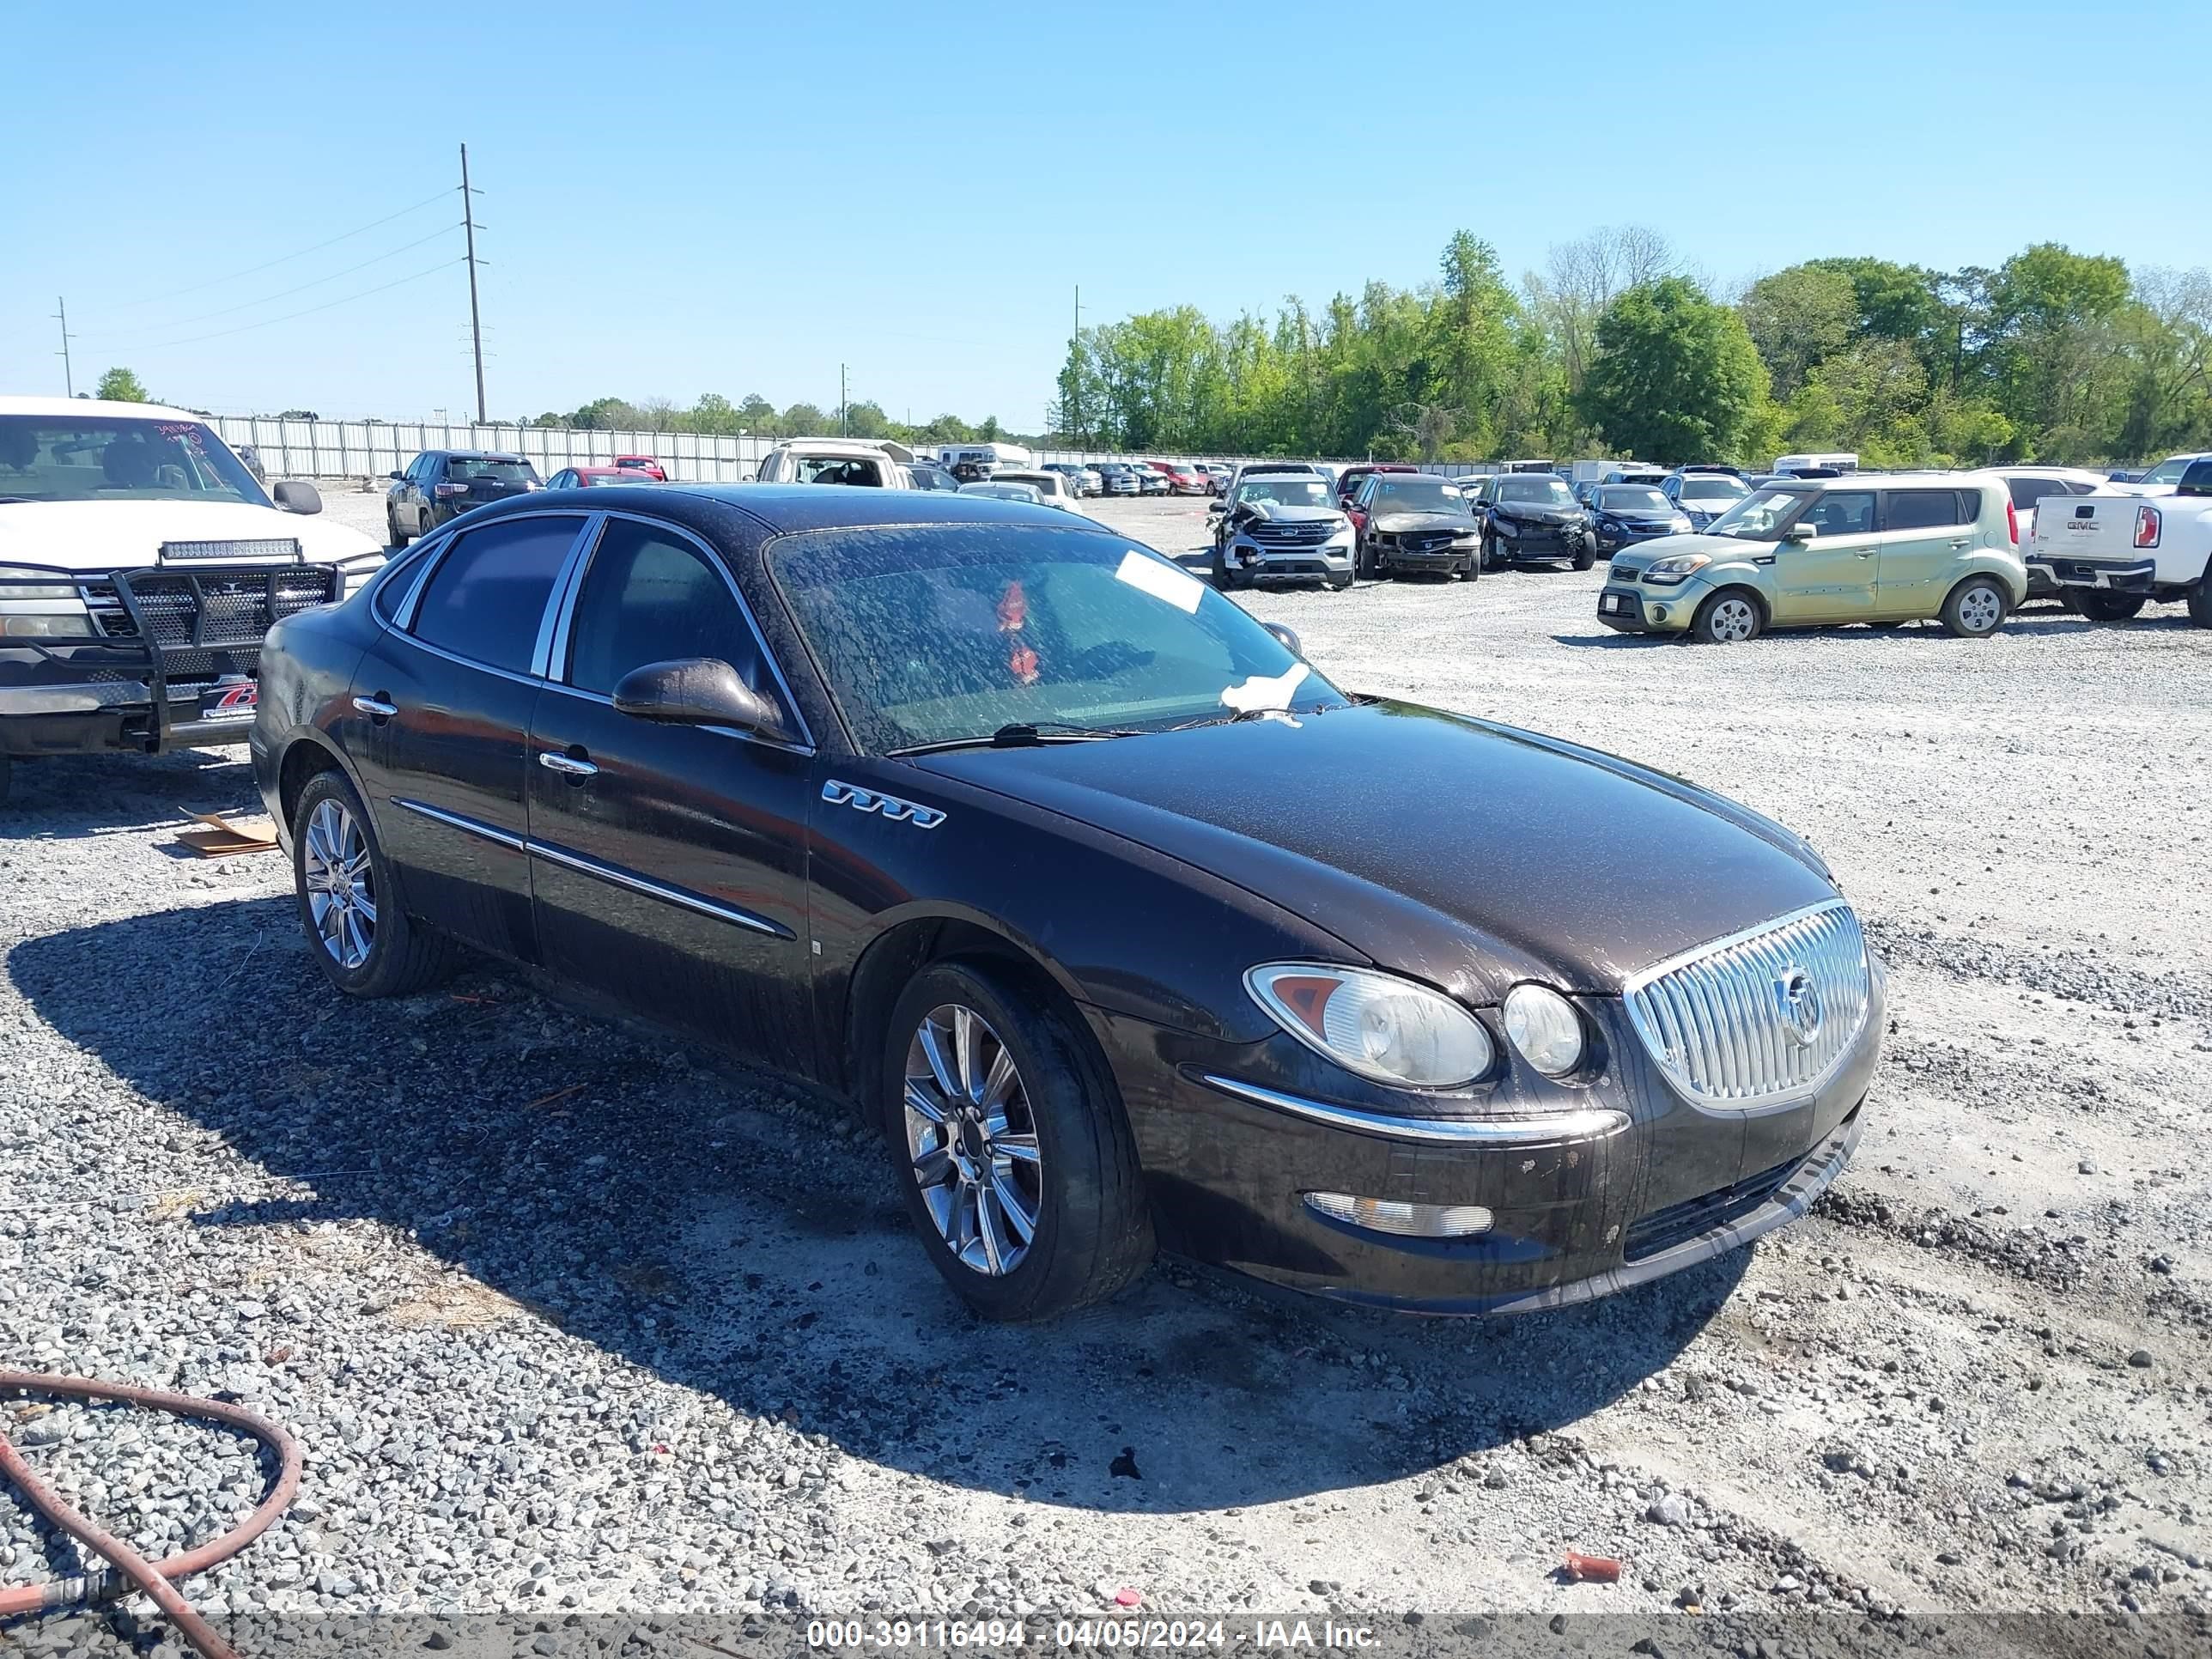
<point>285,259</point>
<point>268,322</point>
<point>286,294</point>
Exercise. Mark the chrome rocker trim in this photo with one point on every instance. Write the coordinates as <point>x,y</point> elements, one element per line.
<point>1589,1123</point>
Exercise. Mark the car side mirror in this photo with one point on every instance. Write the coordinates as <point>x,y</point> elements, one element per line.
<point>1801,532</point>
<point>295,496</point>
<point>695,691</point>
<point>1215,506</point>
<point>1287,637</point>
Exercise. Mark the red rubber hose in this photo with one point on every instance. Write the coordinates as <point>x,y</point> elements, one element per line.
<point>153,1577</point>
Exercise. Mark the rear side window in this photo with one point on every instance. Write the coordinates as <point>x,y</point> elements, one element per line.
<point>650,596</point>
<point>2026,492</point>
<point>1927,510</point>
<point>487,597</point>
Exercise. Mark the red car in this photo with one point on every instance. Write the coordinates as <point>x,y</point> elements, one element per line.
<point>644,464</point>
<point>1184,479</point>
<point>1349,480</point>
<point>588,478</point>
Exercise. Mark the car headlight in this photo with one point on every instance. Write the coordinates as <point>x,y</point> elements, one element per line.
<point>1676,567</point>
<point>38,604</point>
<point>1680,522</point>
<point>1384,1028</point>
<point>1544,1027</point>
<point>24,581</point>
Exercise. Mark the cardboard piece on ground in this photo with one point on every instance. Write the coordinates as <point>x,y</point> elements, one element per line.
<point>215,837</point>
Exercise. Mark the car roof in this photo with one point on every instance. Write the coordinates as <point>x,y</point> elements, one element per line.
<point>101,406</point>
<point>479,454</point>
<point>781,508</point>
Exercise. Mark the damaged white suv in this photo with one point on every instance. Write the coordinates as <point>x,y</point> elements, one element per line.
<point>140,563</point>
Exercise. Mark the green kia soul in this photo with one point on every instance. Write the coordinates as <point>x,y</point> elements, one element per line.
<point>1884,548</point>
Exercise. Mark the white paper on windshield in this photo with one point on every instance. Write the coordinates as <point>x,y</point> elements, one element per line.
<point>1163,582</point>
<point>1265,691</point>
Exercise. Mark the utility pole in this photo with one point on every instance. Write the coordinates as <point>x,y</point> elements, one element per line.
<point>476,320</point>
<point>69,374</point>
<point>844,407</point>
<point>1075,368</point>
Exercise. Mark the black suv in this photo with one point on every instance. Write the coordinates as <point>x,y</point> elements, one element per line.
<point>441,484</point>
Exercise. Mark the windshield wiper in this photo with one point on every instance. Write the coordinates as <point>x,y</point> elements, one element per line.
<point>1022,734</point>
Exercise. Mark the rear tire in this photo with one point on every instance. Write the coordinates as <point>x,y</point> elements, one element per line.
<point>364,945</point>
<point>2200,600</point>
<point>1730,617</point>
<point>1051,1137</point>
<point>1976,608</point>
<point>6,766</point>
<point>2105,606</point>
<point>399,539</point>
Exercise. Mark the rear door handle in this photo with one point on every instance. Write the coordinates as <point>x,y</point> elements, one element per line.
<point>1868,554</point>
<point>567,765</point>
<point>1961,541</point>
<point>376,708</point>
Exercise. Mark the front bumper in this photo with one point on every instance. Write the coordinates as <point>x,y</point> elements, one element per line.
<point>1579,1214</point>
<point>1326,561</point>
<point>1634,609</point>
<point>2114,575</point>
<point>1566,542</point>
<point>1395,556</point>
<point>106,704</point>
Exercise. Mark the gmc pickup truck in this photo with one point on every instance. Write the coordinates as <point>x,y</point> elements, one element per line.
<point>2109,556</point>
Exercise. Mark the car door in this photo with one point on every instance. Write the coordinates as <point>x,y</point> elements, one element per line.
<point>440,718</point>
<point>670,862</point>
<point>428,470</point>
<point>1831,577</point>
<point>1924,538</point>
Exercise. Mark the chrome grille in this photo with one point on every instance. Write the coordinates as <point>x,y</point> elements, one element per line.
<point>1764,1014</point>
<point>1297,532</point>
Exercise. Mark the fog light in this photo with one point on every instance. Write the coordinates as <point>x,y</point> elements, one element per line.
<point>1388,1215</point>
<point>1658,613</point>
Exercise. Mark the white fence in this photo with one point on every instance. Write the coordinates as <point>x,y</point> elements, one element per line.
<point>370,449</point>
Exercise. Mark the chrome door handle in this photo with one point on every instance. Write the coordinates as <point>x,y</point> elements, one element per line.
<point>554,761</point>
<point>375,708</point>
<point>1961,541</point>
<point>1868,554</point>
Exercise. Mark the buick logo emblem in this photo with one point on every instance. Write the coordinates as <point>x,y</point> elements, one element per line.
<point>1797,1005</point>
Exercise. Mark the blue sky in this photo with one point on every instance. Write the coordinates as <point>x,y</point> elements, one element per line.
<point>741,197</point>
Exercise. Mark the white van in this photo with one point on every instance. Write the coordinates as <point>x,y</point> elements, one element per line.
<point>1840,461</point>
<point>992,455</point>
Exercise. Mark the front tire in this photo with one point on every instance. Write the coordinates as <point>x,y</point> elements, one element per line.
<point>1730,617</point>
<point>2105,606</point>
<point>1586,557</point>
<point>356,932</point>
<point>1976,608</point>
<point>1015,1156</point>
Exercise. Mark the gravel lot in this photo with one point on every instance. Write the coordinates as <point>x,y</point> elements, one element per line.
<point>577,1318</point>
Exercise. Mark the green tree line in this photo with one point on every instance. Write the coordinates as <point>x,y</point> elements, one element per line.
<point>715,413</point>
<point>1615,348</point>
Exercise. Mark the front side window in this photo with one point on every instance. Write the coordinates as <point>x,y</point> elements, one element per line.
<point>487,597</point>
<point>940,634</point>
<point>1841,513</point>
<point>93,457</point>
<point>650,596</point>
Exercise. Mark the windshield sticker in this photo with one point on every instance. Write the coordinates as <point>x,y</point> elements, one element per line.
<point>1163,582</point>
<point>1264,692</point>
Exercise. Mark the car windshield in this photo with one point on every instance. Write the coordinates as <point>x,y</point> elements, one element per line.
<point>939,634</point>
<point>1722,489</point>
<point>499,469</point>
<point>1551,492</point>
<point>1005,492</point>
<point>1760,516</point>
<point>1632,498</point>
<point>1281,491</point>
<point>1416,495</point>
<point>91,458</point>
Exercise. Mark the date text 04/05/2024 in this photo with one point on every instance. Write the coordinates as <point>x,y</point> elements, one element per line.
<point>1086,1634</point>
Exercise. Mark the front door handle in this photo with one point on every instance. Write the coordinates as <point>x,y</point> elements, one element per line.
<point>571,766</point>
<point>376,708</point>
<point>1868,554</point>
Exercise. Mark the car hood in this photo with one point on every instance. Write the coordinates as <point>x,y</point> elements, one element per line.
<point>1645,515</point>
<point>1721,547</point>
<point>106,536</point>
<point>1536,513</point>
<point>1397,524</point>
<point>1470,855</point>
<point>1288,515</point>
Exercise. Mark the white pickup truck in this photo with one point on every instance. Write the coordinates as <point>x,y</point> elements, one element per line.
<point>2111,555</point>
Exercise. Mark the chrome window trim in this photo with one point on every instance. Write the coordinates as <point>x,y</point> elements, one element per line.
<point>551,626</point>
<point>1584,1123</point>
<point>557,663</point>
<point>677,895</point>
<point>457,821</point>
<point>605,701</point>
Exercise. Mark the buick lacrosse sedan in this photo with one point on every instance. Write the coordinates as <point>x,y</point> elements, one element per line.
<point>1127,926</point>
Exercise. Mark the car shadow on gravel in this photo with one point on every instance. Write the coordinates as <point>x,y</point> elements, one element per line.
<point>742,1238</point>
<point>67,796</point>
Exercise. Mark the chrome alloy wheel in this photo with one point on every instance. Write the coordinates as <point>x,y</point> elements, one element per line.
<point>973,1139</point>
<point>1734,620</point>
<point>341,886</point>
<point>1980,609</point>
